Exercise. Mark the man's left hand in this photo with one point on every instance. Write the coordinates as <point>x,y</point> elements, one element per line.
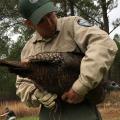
<point>72,97</point>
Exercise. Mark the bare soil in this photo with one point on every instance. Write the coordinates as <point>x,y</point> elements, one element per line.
<point>110,108</point>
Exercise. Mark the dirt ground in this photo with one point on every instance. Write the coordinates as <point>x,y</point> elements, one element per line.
<point>110,109</point>
<point>110,113</point>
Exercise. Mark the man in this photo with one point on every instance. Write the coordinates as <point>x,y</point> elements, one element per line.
<point>68,34</point>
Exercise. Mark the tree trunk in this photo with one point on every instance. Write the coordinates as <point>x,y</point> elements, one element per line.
<point>71,5</point>
<point>105,17</point>
<point>65,7</point>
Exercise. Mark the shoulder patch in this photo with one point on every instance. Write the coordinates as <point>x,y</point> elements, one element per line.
<point>83,22</point>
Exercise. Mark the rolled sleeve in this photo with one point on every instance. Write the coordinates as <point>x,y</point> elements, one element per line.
<point>25,90</point>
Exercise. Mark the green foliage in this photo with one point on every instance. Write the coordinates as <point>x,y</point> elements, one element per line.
<point>115,69</point>
<point>11,50</point>
<point>95,11</point>
<point>117,38</point>
<point>28,118</point>
<point>8,8</point>
<point>11,24</point>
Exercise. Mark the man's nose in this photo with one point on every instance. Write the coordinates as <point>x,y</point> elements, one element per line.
<point>48,20</point>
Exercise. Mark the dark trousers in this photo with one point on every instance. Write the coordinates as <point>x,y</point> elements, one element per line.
<point>65,111</point>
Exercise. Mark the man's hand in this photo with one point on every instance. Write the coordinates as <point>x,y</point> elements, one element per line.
<point>46,99</point>
<point>72,97</point>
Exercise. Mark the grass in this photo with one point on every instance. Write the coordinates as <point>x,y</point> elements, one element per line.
<point>20,109</point>
<point>110,108</point>
<point>28,118</point>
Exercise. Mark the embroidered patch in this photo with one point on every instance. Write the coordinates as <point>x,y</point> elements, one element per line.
<point>33,1</point>
<point>84,22</point>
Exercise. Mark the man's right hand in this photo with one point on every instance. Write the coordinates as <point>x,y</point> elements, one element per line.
<point>72,97</point>
<point>46,99</point>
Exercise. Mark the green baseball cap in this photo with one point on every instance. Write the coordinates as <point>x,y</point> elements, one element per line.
<point>34,10</point>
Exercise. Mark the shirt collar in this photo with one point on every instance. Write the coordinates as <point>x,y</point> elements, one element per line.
<point>59,24</point>
<point>37,38</point>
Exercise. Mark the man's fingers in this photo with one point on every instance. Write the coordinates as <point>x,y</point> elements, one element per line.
<point>49,100</point>
<point>72,97</point>
<point>45,98</point>
<point>51,105</point>
<point>64,97</point>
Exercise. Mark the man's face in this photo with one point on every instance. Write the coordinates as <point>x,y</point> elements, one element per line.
<point>47,25</point>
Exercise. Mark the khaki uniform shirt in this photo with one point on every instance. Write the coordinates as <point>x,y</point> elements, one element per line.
<point>74,35</point>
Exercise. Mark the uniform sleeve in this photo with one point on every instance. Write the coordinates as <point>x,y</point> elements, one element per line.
<point>99,51</point>
<point>25,88</point>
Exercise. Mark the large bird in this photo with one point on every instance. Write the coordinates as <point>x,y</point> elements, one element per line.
<point>53,71</point>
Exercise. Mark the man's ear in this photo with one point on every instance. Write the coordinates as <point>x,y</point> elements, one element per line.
<point>29,24</point>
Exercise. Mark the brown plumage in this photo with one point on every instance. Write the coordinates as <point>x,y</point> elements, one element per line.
<point>54,72</point>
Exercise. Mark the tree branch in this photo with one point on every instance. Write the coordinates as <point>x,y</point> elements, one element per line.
<point>114,28</point>
<point>85,13</point>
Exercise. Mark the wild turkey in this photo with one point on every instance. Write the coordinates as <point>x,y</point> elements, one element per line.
<point>54,72</point>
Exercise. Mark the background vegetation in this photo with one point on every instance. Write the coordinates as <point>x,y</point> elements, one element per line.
<point>11,25</point>
<point>110,108</point>
<point>21,110</point>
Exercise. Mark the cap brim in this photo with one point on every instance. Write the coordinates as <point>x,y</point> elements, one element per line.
<point>41,12</point>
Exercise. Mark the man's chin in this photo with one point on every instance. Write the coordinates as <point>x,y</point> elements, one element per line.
<point>49,35</point>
